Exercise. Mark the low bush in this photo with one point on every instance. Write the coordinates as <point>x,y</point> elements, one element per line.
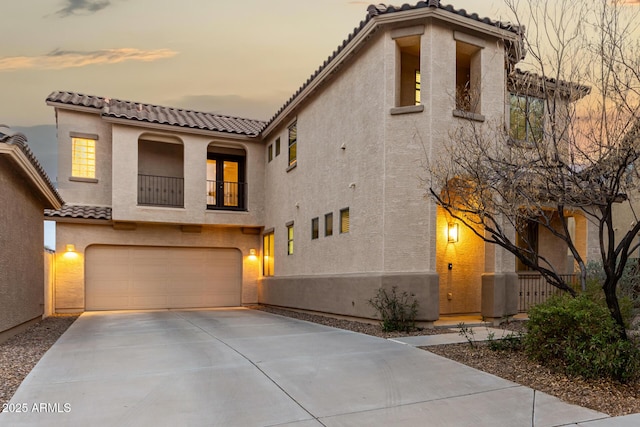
<point>397,311</point>
<point>580,336</point>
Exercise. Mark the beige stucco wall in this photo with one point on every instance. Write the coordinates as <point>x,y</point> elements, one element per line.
<point>80,192</point>
<point>21,247</point>
<point>125,156</point>
<point>70,268</point>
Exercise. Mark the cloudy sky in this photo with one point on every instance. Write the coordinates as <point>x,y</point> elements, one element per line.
<point>242,58</point>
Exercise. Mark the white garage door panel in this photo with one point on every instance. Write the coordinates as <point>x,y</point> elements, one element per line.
<point>136,277</point>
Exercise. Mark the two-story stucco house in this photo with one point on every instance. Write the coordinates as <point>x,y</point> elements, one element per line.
<point>315,209</point>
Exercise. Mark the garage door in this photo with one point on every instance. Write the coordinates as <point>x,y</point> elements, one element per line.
<point>140,277</point>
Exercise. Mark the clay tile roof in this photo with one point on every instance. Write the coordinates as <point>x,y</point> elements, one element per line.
<point>10,137</point>
<point>77,211</point>
<point>149,113</point>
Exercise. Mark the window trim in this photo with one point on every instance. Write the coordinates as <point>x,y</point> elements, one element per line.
<point>267,249</point>
<point>290,236</point>
<point>293,143</point>
<point>328,216</point>
<point>342,228</point>
<point>75,138</point>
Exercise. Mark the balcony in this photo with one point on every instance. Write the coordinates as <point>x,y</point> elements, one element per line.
<point>160,191</point>
<point>226,195</point>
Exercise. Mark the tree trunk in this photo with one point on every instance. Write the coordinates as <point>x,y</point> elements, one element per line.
<point>614,307</point>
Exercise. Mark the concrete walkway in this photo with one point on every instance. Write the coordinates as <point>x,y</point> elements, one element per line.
<point>239,367</point>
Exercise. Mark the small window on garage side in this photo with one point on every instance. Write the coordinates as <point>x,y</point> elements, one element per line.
<point>344,220</point>
<point>290,238</point>
<point>328,224</point>
<point>267,254</point>
<point>315,228</point>
<point>270,152</point>
<point>277,147</point>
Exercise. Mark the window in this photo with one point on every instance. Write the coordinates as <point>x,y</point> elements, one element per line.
<point>293,144</point>
<point>290,238</point>
<point>277,147</point>
<point>328,224</point>
<point>344,220</point>
<point>226,187</point>
<point>417,87</point>
<point>468,77</point>
<point>83,164</point>
<point>526,118</point>
<point>270,152</point>
<point>315,228</point>
<point>409,77</point>
<point>267,254</point>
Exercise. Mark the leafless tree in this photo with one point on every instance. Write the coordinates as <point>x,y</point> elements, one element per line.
<point>570,144</point>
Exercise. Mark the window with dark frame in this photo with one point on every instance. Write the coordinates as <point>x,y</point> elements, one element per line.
<point>290,238</point>
<point>270,152</point>
<point>293,144</point>
<point>328,224</point>
<point>315,228</point>
<point>344,220</point>
<point>277,146</point>
<point>267,254</point>
<point>526,118</point>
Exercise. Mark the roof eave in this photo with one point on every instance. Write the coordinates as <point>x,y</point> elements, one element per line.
<point>178,128</point>
<point>81,108</point>
<point>18,157</point>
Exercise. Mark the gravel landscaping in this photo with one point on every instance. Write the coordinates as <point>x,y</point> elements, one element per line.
<point>19,354</point>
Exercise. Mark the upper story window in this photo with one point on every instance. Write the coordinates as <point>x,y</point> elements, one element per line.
<point>409,75</point>
<point>526,118</point>
<point>270,152</point>
<point>277,146</point>
<point>293,144</point>
<point>83,163</point>
<point>468,74</point>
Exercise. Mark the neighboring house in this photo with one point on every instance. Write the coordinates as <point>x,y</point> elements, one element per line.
<point>315,209</point>
<point>25,191</point>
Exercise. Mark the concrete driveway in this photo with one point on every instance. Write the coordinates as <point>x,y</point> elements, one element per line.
<point>239,367</point>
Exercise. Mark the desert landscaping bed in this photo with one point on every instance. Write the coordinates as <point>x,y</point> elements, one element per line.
<point>19,354</point>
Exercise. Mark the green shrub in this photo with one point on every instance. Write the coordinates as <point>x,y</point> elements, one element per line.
<point>397,311</point>
<point>580,336</point>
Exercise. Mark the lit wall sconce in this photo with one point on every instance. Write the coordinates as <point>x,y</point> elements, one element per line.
<point>252,252</point>
<point>452,232</point>
<point>71,248</point>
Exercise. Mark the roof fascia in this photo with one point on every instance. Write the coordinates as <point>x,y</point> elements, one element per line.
<point>24,164</point>
<point>366,33</point>
<point>179,129</point>
<point>80,108</point>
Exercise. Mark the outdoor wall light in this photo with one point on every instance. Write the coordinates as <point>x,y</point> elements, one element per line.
<point>452,232</point>
<point>252,252</point>
<point>71,248</point>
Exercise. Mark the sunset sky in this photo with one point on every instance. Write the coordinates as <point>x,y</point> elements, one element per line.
<point>242,58</point>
